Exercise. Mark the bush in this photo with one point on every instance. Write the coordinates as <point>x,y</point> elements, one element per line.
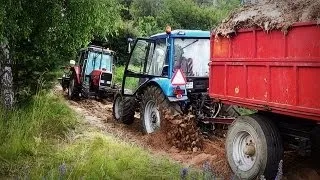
<point>119,74</point>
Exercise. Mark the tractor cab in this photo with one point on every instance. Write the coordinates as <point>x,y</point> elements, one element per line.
<point>165,56</point>
<point>92,75</point>
<point>96,67</point>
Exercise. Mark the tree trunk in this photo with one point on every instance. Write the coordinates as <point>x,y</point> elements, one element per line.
<point>6,80</point>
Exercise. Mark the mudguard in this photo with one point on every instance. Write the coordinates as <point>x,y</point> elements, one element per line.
<point>76,70</point>
<point>166,86</point>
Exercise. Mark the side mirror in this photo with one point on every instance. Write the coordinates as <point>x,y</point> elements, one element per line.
<point>130,40</point>
<point>72,62</point>
<point>116,60</point>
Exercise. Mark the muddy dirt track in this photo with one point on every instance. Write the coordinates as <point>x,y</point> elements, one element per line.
<point>99,114</point>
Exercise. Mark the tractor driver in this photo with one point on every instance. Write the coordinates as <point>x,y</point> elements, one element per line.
<point>181,62</point>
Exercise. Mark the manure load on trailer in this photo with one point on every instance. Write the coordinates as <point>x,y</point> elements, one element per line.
<point>267,57</point>
<point>269,15</point>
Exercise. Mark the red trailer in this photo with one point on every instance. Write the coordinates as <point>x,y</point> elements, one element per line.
<point>277,74</point>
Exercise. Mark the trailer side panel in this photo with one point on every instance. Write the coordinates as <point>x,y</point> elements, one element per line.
<point>269,71</point>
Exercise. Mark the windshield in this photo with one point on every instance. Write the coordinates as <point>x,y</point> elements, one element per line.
<point>192,56</point>
<point>97,60</point>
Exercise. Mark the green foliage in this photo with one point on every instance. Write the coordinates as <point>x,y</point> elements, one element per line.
<point>131,82</point>
<point>119,74</point>
<point>147,25</point>
<point>43,35</point>
<point>149,17</point>
<point>186,14</point>
<point>245,112</point>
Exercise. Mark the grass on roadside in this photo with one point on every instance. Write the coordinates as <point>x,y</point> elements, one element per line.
<point>28,132</point>
<point>96,156</point>
<point>43,139</point>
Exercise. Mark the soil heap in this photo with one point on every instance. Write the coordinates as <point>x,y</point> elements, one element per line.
<point>269,15</point>
<point>181,132</point>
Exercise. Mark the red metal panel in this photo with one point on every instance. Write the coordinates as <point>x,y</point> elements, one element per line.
<point>264,40</point>
<point>282,85</point>
<point>236,81</point>
<point>269,71</point>
<point>217,79</point>
<point>304,42</point>
<point>309,93</point>
<point>221,47</point>
<point>257,81</point>
<point>243,46</point>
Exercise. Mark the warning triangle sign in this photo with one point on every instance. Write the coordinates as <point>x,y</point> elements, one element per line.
<point>178,78</point>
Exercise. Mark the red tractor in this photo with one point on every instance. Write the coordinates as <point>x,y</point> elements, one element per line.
<point>92,75</point>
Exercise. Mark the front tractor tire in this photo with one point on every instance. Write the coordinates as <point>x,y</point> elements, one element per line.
<point>73,92</point>
<point>123,109</point>
<point>152,105</point>
<point>254,147</point>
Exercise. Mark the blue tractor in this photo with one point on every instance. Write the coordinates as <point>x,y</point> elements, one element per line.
<point>166,71</point>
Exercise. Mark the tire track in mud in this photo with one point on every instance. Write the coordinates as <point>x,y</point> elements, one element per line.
<point>98,114</point>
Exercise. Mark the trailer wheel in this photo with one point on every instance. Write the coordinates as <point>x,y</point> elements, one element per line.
<point>73,92</point>
<point>254,147</point>
<point>123,109</point>
<point>151,109</point>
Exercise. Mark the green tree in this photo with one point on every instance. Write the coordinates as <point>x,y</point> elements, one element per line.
<point>42,35</point>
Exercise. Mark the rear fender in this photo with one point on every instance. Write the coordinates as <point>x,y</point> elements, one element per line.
<point>167,88</point>
<point>76,71</point>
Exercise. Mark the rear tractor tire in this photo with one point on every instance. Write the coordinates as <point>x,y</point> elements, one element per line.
<point>73,92</point>
<point>152,106</point>
<point>254,147</point>
<point>123,109</point>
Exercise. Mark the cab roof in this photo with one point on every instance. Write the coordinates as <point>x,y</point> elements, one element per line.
<point>183,33</point>
<point>97,49</point>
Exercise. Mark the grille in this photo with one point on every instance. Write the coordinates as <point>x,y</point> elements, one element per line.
<point>106,79</point>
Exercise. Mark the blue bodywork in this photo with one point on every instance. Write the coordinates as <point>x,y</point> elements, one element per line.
<point>165,82</point>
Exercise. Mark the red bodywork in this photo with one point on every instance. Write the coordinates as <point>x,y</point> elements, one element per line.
<point>77,71</point>
<point>95,77</point>
<point>269,71</point>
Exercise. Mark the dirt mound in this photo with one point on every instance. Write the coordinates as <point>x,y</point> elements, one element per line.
<point>182,132</point>
<point>270,14</point>
<point>178,132</point>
